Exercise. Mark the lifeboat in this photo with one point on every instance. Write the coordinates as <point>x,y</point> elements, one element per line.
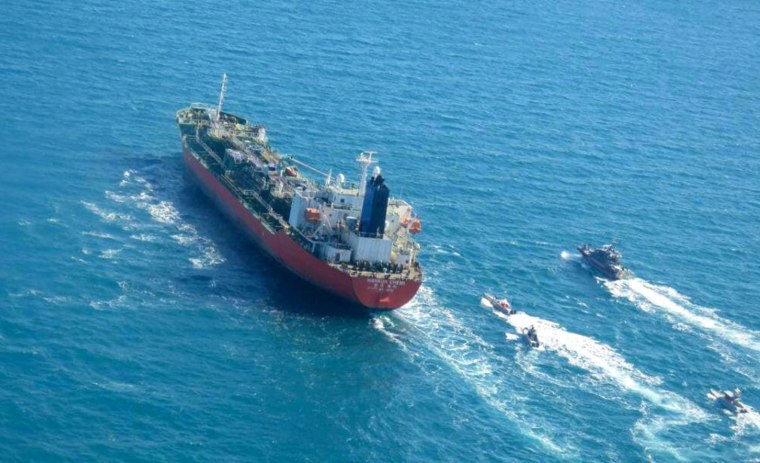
<point>415,227</point>
<point>291,171</point>
<point>406,221</point>
<point>312,215</point>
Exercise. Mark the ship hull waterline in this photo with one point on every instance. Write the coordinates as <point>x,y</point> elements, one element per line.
<point>373,293</point>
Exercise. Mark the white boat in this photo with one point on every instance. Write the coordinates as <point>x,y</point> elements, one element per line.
<point>502,305</point>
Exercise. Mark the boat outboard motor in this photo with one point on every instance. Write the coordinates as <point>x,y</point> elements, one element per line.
<point>532,337</point>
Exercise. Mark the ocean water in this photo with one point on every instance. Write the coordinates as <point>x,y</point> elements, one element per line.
<point>137,325</point>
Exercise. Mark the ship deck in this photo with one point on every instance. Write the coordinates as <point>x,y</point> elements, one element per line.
<point>194,120</point>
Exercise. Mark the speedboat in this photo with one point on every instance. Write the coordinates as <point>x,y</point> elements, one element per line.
<point>530,336</point>
<point>730,400</point>
<point>606,260</point>
<point>502,305</point>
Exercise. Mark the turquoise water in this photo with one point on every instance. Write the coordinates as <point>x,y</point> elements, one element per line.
<point>136,324</point>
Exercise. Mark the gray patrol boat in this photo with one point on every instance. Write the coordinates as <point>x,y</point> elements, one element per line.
<point>606,260</point>
<point>730,400</point>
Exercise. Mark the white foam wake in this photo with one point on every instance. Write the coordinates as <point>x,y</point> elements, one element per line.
<point>385,326</point>
<point>746,422</point>
<point>606,365</point>
<point>599,359</point>
<point>162,212</point>
<point>424,324</point>
<point>107,216</point>
<point>650,297</point>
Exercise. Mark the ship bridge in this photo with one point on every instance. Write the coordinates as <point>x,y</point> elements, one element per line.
<point>350,225</point>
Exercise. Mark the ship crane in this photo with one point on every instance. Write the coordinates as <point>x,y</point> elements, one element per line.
<point>221,97</point>
<point>303,164</point>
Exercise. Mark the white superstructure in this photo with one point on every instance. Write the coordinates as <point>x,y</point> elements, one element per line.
<point>329,216</point>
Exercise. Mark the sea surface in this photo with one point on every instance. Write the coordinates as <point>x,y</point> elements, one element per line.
<point>136,324</point>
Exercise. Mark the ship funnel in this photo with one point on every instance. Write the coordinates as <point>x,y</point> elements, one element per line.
<point>374,208</point>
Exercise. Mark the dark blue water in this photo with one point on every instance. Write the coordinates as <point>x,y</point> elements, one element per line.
<point>136,324</point>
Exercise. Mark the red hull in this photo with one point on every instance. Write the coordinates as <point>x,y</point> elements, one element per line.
<point>373,293</point>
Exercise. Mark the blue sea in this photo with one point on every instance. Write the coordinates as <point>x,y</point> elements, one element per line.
<point>137,324</point>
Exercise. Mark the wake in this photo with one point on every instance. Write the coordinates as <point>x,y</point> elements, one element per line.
<point>746,423</point>
<point>650,297</point>
<point>423,325</point>
<point>138,193</point>
<point>602,362</point>
<point>605,365</point>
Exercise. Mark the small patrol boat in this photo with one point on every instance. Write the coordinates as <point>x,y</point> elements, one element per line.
<point>502,305</point>
<point>531,337</point>
<point>606,260</point>
<point>730,400</point>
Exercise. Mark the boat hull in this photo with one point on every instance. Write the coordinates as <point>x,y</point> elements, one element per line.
<point>608,272</point>
<point>377,292</point>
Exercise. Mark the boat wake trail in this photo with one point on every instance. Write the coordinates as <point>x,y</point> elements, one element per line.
<point>651,298</point>
<point>137,193</point>
<point>746,423</point>
<point>600,360</point>
<point>423,327</point>
<point>605,365</point>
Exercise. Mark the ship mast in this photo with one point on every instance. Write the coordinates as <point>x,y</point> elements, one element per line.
<point>364,160</point>
<point>221,97</point>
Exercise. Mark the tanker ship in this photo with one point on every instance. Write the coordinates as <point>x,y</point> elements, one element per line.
<point>352,240</point>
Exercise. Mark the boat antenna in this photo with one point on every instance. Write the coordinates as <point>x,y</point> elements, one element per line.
<point>221,97</point>
<point>364,160</point>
